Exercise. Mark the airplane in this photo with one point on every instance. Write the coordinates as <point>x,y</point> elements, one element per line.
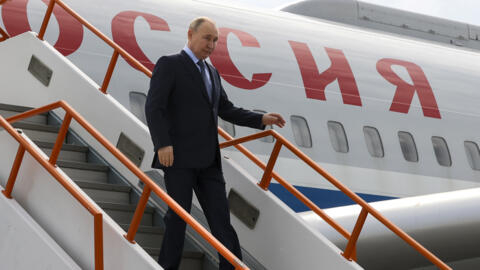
<point>392,116</point>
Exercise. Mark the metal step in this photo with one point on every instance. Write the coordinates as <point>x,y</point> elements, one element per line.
<point>123,213</point>
<point>10,110</point>
<point>87,172</point>
<point>148,236</point>
<point>101,192</point>
<point>191,260</point>
<point>38,132</point>
<point>37,119</point>
<point>68,152</point>
<point>82,165</point>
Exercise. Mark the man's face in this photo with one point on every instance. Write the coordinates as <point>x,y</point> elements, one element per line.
<point>203,41</point>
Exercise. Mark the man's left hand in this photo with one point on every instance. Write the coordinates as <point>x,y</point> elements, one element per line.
<point>273,119</point>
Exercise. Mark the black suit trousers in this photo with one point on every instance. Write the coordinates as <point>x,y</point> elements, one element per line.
<point>209,186</point>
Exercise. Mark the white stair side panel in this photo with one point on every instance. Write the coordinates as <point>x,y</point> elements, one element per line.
<point>65,219</point>
<point>24,244</point>
<point>281,239</point>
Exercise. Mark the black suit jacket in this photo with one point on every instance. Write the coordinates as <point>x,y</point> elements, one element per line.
<point>179,112</point>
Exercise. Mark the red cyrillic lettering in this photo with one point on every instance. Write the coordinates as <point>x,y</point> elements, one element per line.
<point>15,19</point>
<point>14,14</point>
<point>223,62</point>
<point>405,91</point>
<point>315,83</point>
<point>124,34</point>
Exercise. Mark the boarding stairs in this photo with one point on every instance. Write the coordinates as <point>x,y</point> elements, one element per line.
<point>276,239</point>
<point>99,180</point>
<point>38,194</point>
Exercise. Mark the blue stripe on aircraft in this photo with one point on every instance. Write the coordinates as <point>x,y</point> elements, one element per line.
<point>323,198</point>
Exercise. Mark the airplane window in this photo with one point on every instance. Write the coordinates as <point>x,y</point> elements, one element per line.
<point>473,154</point>
<point>441,151</point>
<point>338,138</point>
<point>137,105</point>
<point>301,132</point>
<point>268,139</point>
<point>227,126</point>
<point>440,148</point>
<point>409,149</point>
<point>373,141</point>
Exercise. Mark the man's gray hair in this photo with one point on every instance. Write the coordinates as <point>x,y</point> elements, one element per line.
<point>195,24</point>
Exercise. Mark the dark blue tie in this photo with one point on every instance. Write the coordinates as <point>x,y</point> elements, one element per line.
<point>206,81</point>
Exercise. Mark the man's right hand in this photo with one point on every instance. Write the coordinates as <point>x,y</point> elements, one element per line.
<point>165,156</point>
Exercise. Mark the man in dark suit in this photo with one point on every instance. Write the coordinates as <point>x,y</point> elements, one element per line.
<point>185,98</point>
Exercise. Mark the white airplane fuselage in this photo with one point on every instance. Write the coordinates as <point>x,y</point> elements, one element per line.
<point>301,67</point>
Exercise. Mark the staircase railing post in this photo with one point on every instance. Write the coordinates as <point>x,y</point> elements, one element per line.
<point>46,19</point>
<point>108,76</point>
<point>14,172</point>
<point>352,242</point>
<point>267,175</point>
<point>98,235</point>
<point>137,217</point>
<point>60,139</point>
<point>3,35</point>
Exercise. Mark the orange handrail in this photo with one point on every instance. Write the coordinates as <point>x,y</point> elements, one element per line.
<point>92,208</point>
<point>349,252</point>
<point>117,49</point>
<point>150,185</point>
